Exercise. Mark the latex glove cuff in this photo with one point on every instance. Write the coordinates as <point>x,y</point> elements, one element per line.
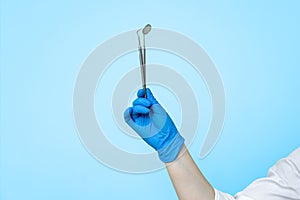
<point>170,152</point>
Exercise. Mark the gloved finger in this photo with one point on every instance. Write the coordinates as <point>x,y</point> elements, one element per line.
<point>143,102</point>
<point>150,96</point>
<point>138,109</point>
<point>127,115</point>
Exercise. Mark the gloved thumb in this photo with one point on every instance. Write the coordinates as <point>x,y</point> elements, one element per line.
<point>150,96</point>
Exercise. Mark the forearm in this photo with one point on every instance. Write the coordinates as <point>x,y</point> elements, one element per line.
<point>150,120</point>
<point>187,179</point>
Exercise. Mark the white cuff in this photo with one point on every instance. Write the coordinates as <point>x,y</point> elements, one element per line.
<point>224,196</point>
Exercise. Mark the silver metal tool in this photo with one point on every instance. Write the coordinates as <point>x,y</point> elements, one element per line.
<point>142,53</point>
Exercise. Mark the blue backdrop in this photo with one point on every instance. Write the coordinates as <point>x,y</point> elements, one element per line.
<point>255,46</point>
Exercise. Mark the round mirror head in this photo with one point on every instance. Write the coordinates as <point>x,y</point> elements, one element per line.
<point>147,29</point>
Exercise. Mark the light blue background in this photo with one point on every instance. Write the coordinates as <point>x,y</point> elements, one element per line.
<point>254,45</point>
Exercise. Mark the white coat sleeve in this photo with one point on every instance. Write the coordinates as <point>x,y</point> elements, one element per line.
<point>282,183</point>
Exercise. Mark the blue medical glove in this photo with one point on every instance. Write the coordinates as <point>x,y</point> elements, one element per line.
<point>148,118</point>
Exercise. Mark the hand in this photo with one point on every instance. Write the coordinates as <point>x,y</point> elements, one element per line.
<point>148,118</point>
